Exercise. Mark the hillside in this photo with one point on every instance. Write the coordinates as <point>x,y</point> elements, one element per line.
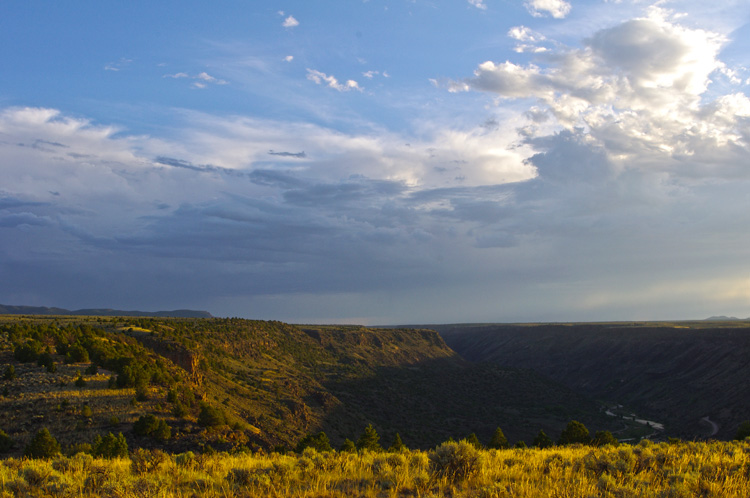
<point>264,384</point>
<point>675,373</point>
<point>6,309</point>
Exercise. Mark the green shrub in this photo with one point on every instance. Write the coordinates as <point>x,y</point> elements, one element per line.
<point>143,461</point>
<point>80,381</point>
<point>10,373</point>
<point>27,352</point>
<point>6,442</point>
<point>47,361</point>
<point>77,354</point>
<point>110,446</point>
<point>319,442</point>
<point>42,445</point>
<point>86,411</point>
<point>151,425</point>
<point>455,462</point>
<point>210,416</point>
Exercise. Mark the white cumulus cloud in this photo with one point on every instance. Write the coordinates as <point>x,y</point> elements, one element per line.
<point>290,22</point>
<point>555,8</point>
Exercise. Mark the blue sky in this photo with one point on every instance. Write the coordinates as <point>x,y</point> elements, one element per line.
<point>378,162</point>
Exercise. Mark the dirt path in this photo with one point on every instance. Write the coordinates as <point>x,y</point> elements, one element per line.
<point>714,426</point>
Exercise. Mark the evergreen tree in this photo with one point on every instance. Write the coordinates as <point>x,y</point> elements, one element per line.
<point>575,432</point>
<point>474,441</point>
<point>498,441</point>
<point>369,439</point>
<point>603,438</point>
<point>318,442</point>
<point>6,443</point>
<point>542,440</point>
<point>42,445</point>
<point>520,445</point>
<point>348,446</point>
<point>743,431</point>
<point>110,446</point>
<point>397,444</point>
<point>10,373</point>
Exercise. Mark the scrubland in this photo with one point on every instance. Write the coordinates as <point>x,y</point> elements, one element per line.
<point>453,469</point>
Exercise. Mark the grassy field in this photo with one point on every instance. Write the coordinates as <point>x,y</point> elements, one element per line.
<point>713,469</point>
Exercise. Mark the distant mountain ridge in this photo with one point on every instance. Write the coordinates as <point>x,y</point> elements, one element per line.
<point>43,310</point>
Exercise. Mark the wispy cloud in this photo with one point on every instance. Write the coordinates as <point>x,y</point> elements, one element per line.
<point>478,4</point>
<point>122,63</point>
<point>200,80</point>
<point>330,81</point>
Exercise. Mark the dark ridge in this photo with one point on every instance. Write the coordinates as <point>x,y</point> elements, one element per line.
<point>43,310</point>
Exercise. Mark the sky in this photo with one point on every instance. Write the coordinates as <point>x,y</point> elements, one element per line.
<point>378,161</point>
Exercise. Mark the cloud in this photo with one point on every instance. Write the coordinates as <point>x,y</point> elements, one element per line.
<point>289,58</point>
<point>331,82</point>
<point>297,155</point>
<point>555,8</point>
<point>200,80</point>
<point>290,22</point>
<point>122,63</point>
<point>479,4</point>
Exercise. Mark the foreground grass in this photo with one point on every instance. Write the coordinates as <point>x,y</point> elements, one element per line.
<point>716,469</point>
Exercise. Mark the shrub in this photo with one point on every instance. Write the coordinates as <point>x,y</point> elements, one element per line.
<point>77,354</point>
<point>210,416</point>
<point>27,352</point>
<point>110,446</point>
<point>455,462</point>
<point>45,360</point>
<point>92,369</point>
<point>179,410</point>
<point>186,459</point>
<point>42,445</point>
<point>151,425</point>
<point>318,442</point>
<point>143,460</point>
<point>86,411</point>
<point>10,373</point>
<point>6,443</point>
<point>80,381</point>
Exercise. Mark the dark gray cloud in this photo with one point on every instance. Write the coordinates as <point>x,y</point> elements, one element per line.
<point>297,155</point>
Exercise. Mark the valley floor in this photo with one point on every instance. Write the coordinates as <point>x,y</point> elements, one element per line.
<point>714,469</point>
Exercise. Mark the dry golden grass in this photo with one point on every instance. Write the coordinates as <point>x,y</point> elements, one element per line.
<point>452,470</point>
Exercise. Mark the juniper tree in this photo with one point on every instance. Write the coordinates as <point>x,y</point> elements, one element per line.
<point>397,444</point>
<point>498,441</point>
<point>542,440</point>
<point>575,432</point>
<point>42,445</point>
